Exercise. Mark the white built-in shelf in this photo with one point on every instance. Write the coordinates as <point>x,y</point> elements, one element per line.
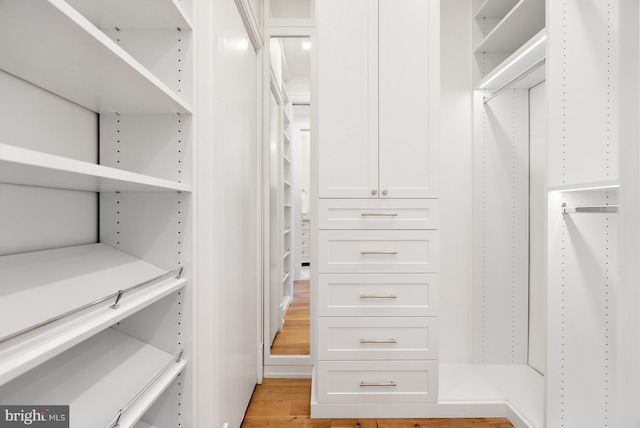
<point>522,61</point>
<point>134,15</point>
<point>53,284</point>
<point>597,186</point>
<point>83,64</point>
<point>287,205</point>
<point>97,378</point>
<point>524,21</point>
<point>286,277</point>
<point>286,231</point>
<point>287,139</point>
<point>286,159</point>
<point>287,118</point>
<point>286,183</point>
<point>33,168</point>
<point>141,424</point>
<point>495,9</point>
<point>286,254</point>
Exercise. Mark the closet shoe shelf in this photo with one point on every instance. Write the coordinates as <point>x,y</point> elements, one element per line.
<point>34,168</point>
<point>108,373</point>
<point>54,284</point>
<point>83,64</point>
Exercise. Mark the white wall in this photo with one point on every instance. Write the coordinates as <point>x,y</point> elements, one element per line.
<point>455,182</point>
<point>226,201</point>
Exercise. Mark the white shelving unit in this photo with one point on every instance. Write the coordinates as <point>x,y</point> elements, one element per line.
<point>505,26</point>
<point>107,373</point>
<point>287,192</point>
<point>123,71</point>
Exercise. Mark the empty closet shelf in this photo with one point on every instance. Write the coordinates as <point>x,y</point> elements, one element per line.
<point>109,375</point>
<point>33,168</point>
<point>83,64</point>
<point>590,209</point>
<point>134,15</point>
<point>51,300</point>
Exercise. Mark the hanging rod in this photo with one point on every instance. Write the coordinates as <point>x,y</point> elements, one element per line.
<point>590,209</point>
<point>115,422</point>
<point>515,80</point>
<point>117,295</point>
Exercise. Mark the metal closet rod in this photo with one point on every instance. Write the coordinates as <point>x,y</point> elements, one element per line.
<point>590,209</point>
<point>115,422</point>
<point>176,273</point>
<point>515,80</point>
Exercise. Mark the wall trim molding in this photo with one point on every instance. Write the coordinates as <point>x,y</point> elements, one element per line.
<point>251,23</point>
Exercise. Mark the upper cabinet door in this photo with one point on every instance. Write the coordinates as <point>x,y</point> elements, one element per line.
<point>348,99</point>
<point>408,98</point>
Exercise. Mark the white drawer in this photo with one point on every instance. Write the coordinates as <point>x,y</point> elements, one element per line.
<point>305,252</point>
<point>378,251</point>
<point>305,234</point>
<point>305,225</point>
<point>305,243</point>
<point>410,295</point>
<point>377,338</point>
<point>399,382</point>
<point>378,214</point>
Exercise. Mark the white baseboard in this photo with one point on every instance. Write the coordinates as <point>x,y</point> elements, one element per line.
<point>289,372</point>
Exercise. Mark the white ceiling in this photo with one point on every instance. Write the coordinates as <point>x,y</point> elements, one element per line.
<point>298,60</point>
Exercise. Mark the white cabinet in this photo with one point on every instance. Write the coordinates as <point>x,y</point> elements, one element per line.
<point>378,96</point>
<point>377,238</point>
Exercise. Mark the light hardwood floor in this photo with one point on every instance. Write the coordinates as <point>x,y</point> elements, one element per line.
<point>279,403</point>
<point>294,337</point>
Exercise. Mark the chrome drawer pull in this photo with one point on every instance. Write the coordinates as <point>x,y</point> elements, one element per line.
<point>389,253</point>
<point>392,383</point>
<point>378,341</point>
<point>378,296</point>
<point>379,215</point>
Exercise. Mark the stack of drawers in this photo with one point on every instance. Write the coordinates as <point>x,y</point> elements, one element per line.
<point>377,301</point>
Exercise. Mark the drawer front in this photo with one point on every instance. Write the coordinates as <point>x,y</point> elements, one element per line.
<point>377,338</point>
<point>305,225</point>
<point>377,382</point>
<point>305,234</point>
<point>410,295</point>
<point>305,243</point>
<point>378,251</point>
<point>305,252</point>
<point>378,214</point>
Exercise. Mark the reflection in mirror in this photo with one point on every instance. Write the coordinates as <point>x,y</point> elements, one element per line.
<point>290,194</point>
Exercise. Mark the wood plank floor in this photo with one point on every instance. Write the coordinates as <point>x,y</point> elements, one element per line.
<point>294,337</point>
<point>286,403</point>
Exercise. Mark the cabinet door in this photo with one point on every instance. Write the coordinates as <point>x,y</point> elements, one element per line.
<point>408,97</point>
<point>347,99</point>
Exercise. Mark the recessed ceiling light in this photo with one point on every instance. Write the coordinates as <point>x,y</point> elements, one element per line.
<point>306,46</point>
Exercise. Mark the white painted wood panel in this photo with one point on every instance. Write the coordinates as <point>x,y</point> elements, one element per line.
<point>501,229</point>
<point>378,295</point>
<point>378,251</point>
<point>408,85</point>
<point>583,99</point>
<point>340,382</point>
<point>583,282</point>
<point>377,338</point>
<point>347,99</point>
<point>378,214</point>
<point>34,218</point>
<point>538,227</point>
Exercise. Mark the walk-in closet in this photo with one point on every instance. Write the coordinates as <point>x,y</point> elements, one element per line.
<point>319,213</point>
